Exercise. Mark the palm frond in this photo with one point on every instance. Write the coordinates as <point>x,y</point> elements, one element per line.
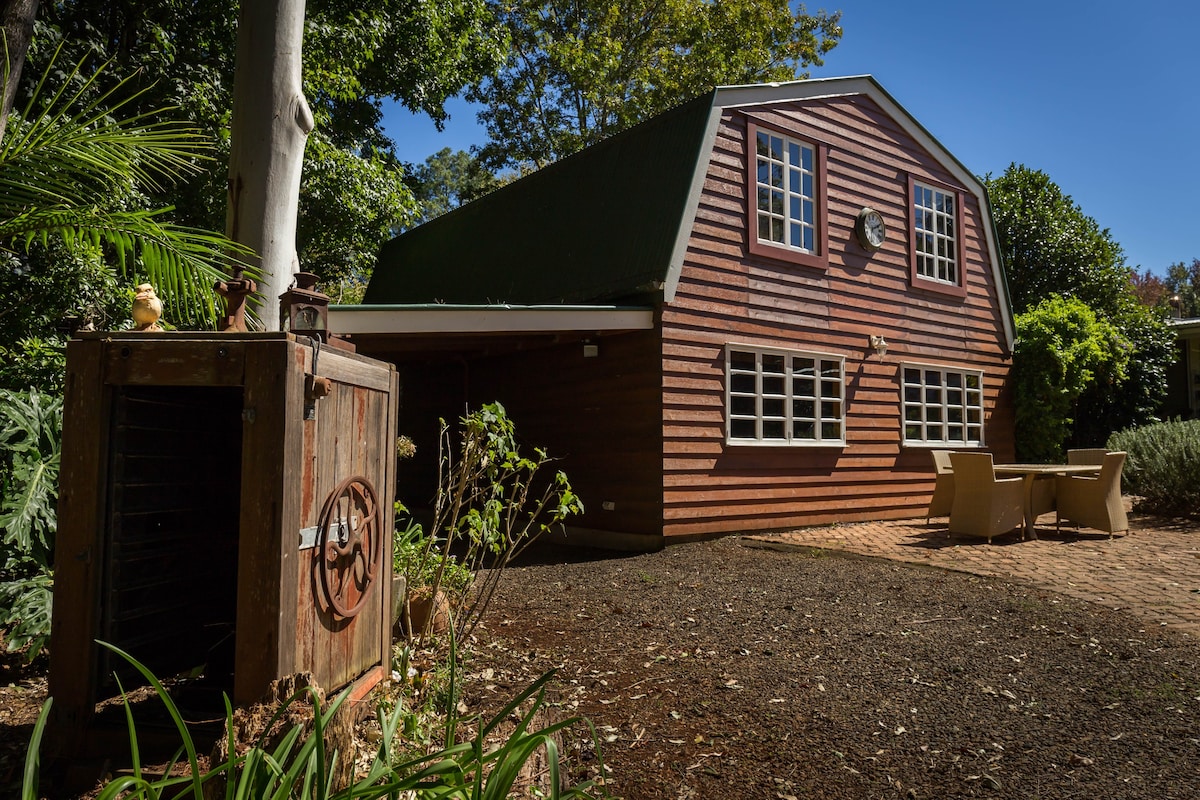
<point>73,169</point>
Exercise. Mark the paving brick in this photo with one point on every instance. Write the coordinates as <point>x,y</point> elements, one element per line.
<point>1153,571</point>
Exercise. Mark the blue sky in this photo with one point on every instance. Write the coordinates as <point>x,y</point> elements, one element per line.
<point>1102,96</point>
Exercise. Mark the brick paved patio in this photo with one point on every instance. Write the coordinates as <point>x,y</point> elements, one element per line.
<point>1154,571</point>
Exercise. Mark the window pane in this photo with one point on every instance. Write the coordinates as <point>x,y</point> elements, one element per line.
<point>808,239</point>
<point>773,406</point>
<point>831,430</point>
<point>777,176</point>
<point>772,384</point>
<point>764,227</point>
<point>743,406</point>
<point>740,359</point>
<point>833,410</point>
<point>805,408</point>
<point>793,153</point>
<point>804,387</point>
<point>773,362</point>
<point>776,229</point>
<point>773,429</point>
<point>777,148</point>
<point>796,235</point>
<point>794,182</point>
<point>804,429</point>
<point>742,429</point>
<point>764,199</point>
<point>806,159</point>
<point>742,384</point>
<point>763,148</point>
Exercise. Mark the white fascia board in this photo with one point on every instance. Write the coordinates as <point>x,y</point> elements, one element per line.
<point>486,319</point>
<point>747,96</point>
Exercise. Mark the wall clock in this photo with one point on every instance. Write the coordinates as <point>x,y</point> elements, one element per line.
<point>871,229</point>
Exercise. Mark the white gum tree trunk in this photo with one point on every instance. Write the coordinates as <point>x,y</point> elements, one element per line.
<point>271,123</point>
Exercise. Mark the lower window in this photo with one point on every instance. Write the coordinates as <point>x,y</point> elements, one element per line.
<point>784,397</point>
<point>942,406</point>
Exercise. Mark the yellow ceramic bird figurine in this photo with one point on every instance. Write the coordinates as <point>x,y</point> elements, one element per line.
<point>147,308</point>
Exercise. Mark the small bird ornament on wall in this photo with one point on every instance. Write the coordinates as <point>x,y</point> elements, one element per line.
<point>147,309</point>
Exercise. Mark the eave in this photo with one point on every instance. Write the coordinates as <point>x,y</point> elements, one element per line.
<point>354,320</point>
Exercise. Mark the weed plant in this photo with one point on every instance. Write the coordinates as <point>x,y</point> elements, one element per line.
<point>299,767</point>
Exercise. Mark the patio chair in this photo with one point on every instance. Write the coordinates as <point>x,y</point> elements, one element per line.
<point>1093,455</point>
<point>943,489</point>
<point>1094,502</point>
<point>984,505</point>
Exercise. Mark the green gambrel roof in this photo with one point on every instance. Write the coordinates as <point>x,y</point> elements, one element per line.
<point>598,226</point>
<point>610,225</point>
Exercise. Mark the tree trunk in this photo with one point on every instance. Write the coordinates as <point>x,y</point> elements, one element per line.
<point>271,123</point>
<point>17,18</point>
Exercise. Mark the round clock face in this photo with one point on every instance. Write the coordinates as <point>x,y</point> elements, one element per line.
<point>871,229</point>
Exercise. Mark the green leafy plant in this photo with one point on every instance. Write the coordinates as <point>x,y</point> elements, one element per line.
<point>491,504</point>
<point>1162,466</point>
<point>30,448</point>
<point>299,765</point>
<point>1062,348</point>
<point>72,168</point>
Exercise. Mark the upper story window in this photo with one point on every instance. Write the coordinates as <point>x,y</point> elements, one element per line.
<point>785,188</point>
<point>935,231</point>
<point>786,176</point>
<point>942,406</point>
<point>784,397</point>
<point>937,245</point>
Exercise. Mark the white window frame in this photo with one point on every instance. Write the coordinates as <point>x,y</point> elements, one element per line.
<point>788,166</point>
<point>774,403</point>
<point>941,405</point>
<point>936,234</point>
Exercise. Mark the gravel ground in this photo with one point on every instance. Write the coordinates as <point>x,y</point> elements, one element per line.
<point>738,669</point>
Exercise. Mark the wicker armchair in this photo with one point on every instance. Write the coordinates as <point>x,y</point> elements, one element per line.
<point>943,489</point>
<point>984,505</point>
<point>1094,455</point>
<point>1094,502</point>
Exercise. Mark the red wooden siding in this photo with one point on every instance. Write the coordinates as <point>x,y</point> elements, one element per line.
<point>726,295</point>
<point>597,416</point>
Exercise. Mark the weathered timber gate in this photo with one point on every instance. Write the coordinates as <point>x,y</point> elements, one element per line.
<point>225,511</point>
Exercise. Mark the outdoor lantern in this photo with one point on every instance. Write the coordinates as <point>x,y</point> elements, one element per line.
<point>304,310</point>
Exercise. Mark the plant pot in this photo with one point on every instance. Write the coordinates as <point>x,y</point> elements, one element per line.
<point>426,614</point>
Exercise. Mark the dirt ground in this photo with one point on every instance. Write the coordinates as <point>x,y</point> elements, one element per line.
<point>737,669</point>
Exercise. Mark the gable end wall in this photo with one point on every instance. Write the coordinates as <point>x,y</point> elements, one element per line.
<point>726,295</point>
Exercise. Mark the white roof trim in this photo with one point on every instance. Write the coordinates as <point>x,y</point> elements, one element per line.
<point>351,320</point>
<point>815,89</point>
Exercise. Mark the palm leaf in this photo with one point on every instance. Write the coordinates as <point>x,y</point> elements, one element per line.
<point>72,169</point>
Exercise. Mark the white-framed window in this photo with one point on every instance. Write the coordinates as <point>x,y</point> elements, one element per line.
<point>786,191</point>
<point>942,406</point>
<point>935,232</point>
<point>779,396</point>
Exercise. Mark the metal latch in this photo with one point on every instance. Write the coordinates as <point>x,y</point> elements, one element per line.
<point>309,536</point>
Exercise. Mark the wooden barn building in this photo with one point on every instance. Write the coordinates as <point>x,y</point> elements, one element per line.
<point>759,310</point>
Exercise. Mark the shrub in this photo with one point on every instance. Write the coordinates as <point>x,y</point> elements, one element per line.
<point>30,445</point>
<point>492,501</point>
<point>1162,466</point>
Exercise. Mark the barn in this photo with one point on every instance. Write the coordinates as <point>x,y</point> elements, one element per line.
<point>756,311</point>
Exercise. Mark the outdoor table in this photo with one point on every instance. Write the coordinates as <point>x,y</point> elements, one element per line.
<point>1031,472</point>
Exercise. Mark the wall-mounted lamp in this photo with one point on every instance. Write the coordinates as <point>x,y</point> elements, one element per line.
<point>879,345</point>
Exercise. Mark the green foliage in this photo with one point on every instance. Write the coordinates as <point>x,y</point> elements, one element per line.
<point>30,447</point>
<point>1162,466</point>
<point>1134,397</point>
<point>1050,246</point>
<point>577,72</point>
<point>298,764</point>
<point>72,170</point>
<point>355,54</point>
<point>448,179</point>
<point>1062,349</point>
<point>491,504</point>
